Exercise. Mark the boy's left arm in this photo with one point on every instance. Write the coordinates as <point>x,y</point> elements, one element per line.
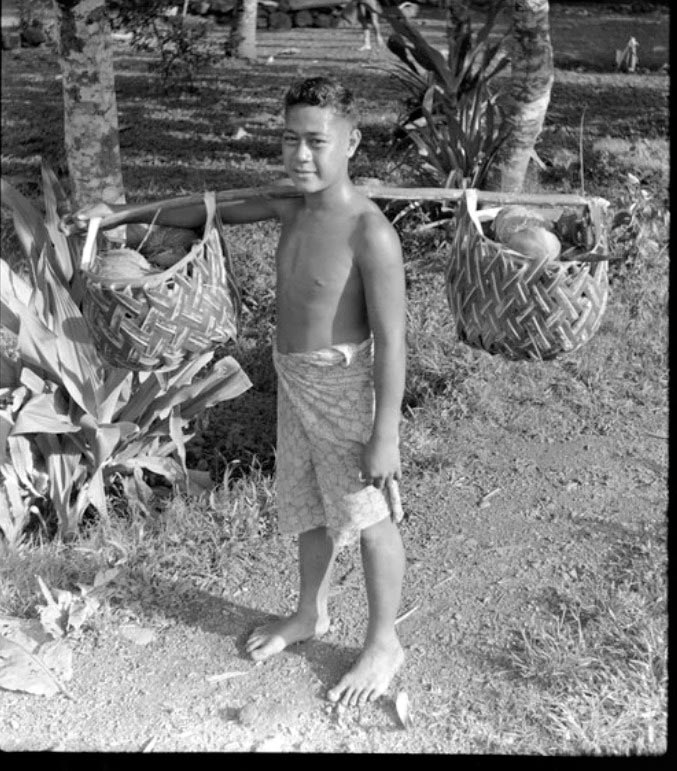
<point>382,272</point>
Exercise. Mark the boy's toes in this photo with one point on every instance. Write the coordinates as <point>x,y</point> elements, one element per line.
<point>338,693</point>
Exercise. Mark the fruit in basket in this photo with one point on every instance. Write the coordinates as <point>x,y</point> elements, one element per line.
<point>510,219</point>
<point>536,242</point>
<point>122,264</point>
<point>165,246</point>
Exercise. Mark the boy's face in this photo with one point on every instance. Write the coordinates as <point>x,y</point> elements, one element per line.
<point>316,146</point>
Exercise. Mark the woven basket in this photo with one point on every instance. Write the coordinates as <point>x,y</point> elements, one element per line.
<point>159,321</point>
<point>522,307</point>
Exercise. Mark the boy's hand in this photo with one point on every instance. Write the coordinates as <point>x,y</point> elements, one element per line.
<point>78,221</point>
<point>380,462</point>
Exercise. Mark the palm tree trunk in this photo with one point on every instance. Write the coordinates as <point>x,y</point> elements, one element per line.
<point>90,107</point>
<point>242,42</point>
<point>532,75</point>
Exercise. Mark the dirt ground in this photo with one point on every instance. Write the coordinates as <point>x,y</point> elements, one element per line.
<point>477,566</point>
<point>475,570</point>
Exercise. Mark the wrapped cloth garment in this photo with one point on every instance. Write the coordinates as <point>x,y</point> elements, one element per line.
<point>325,416</point>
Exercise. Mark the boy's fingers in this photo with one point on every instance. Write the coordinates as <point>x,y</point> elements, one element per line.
<point>393,490</point>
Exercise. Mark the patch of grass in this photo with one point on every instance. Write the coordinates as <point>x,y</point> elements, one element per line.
<point>198,541</point>
<point>596,657</point>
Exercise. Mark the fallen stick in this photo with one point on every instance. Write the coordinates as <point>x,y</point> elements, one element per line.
<point>379,192</point>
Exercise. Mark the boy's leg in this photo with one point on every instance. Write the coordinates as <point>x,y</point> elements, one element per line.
<point>367,40</point>
<point>377,30</point>
<point>383,561</point>
<point>317,552</point>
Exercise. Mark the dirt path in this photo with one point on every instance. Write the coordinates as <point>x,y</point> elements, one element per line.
<point>477,568</point>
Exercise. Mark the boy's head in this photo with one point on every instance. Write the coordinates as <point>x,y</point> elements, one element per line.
<point>322,92</point>
<point>320,133</point>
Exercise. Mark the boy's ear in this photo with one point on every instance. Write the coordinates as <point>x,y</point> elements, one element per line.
<point>354,141</point>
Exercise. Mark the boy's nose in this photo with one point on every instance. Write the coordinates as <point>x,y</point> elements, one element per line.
<point>303,151</point>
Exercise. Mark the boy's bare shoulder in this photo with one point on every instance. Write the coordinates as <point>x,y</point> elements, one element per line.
<point>377,238</point>
<point>286,209</point>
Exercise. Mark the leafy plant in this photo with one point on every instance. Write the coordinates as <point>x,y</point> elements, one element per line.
<point>452,118</point>
<point>639,231</point>
<point>180,40</point>
<point>71,427</point>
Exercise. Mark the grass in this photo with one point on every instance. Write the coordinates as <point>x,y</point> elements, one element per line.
<point>594,669</point>
<point>587,673</point>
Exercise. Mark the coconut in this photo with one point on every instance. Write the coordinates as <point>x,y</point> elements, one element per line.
<point>536,242</point>
<point>510,219</point>
<point>165,246</point>
<point>121,263</point>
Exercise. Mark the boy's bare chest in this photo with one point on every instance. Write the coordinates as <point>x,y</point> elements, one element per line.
<point>318,258</point>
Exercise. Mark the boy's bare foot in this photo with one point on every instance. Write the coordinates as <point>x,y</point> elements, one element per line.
<point>370,676</point>
<point>267,640</point>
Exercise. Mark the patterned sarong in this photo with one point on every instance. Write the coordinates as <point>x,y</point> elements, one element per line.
<point>325,414</point>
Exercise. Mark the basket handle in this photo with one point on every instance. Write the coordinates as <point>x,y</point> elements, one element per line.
<point>470,199</point>
<point>210,206</point>
<point>90,242</point>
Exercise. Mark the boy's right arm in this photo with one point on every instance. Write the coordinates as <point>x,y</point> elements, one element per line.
<point>193,217</point>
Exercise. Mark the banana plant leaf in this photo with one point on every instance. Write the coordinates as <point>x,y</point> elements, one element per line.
<point>23,463</point>
<point>13,511</point>
<point>15,295</point>
<point>66,256</point>
<point>28,224</point>
<point>43,414</point>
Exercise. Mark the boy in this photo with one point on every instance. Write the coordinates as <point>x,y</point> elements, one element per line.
<point>340,360</point>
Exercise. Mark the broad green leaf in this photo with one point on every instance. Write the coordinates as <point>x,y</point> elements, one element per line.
<point>19,671</point>
<point>64,253</point>
<point>227,378</point>
<point>39,346</point>
<point>138,404</point>
<point>6,425</point>
<point>22,461</point>
<point>103,438</point>
<point>176,432</point>
<point>227,387</point>
<point>112,392</point>
<point>75,346</point>
<point>33,382</point>
<point>137,491</point>
<point>94,493</point>
<point>10,371</point>
<point>15,297</point>
<point>28,224</point>
<point>63,464</point>
<point>156,464</point>
<point>13,510</point>
<point>43,414</point>
<point>188,371</point>
<point>147,443</point>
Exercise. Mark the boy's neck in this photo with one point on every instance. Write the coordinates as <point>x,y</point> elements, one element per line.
<point>338,194</point>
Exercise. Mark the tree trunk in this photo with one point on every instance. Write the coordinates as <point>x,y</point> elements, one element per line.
<point>242,42</point>
<point>531,78</point>
<point>90,107</point>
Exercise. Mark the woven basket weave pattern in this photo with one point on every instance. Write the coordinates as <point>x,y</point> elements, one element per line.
<point>520,307</point>
<point>171,317</point>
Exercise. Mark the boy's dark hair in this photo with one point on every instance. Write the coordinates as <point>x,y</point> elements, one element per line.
<point>322,92</point>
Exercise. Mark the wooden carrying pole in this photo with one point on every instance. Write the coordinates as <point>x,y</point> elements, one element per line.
<point>379,192</point>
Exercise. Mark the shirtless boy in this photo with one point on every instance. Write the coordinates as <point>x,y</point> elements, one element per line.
<point>340,359</point>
